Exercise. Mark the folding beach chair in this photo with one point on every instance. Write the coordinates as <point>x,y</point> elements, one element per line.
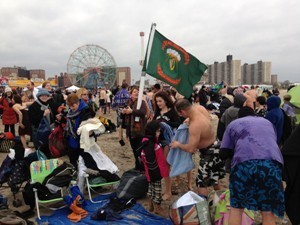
<point>39,170</point>
<point>91,186</point>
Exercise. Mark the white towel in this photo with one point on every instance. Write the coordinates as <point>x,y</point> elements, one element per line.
<point>102,160</point>
<point>90,125</point>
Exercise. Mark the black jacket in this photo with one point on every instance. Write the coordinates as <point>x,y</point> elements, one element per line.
<point>291,157</point>
<point>36,114</point>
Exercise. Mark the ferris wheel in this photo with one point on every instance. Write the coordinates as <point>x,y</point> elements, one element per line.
<point>92,66</point>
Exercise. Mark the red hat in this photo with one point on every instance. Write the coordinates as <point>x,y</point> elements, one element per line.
<point>9,135</point>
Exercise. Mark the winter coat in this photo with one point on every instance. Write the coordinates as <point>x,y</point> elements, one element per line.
<point>36,113</point>
<point>9,116</point>
<point>275,115</point>
<point>226,102</point>
<point>135,129</point>
<point>291,157</point>
<point>153,159</point>
<point>84,113</point>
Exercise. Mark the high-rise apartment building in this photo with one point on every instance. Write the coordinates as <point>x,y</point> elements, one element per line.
<point>274,79</point>
<point>258,73</point>
<point>229,71</point>
<point>234,74</point>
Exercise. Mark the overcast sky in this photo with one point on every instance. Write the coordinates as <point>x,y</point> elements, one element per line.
<point>42,34</point>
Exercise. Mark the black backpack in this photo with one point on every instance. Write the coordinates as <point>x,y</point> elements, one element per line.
<point>133,184</point>
<point>287,127</point>
<point>60,176</point>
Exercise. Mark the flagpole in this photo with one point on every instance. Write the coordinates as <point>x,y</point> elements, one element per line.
<point>143,74</point>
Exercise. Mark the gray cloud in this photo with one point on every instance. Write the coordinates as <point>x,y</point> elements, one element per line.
<point>43,34</point>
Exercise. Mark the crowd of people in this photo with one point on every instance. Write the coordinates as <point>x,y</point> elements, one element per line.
<point>247,143</point>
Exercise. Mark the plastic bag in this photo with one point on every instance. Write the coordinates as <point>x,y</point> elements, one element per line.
<point>40,155</point>
<point>43,131</point>
<point>190,209</point>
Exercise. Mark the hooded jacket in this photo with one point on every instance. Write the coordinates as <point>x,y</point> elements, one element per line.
<point>231,113</point>
<point>275,115</point>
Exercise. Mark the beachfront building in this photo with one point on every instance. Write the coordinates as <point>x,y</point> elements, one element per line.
<point>229,71</point>
<point>257,73</point>
<point>20,76</point>
<point>17,72</point>
<point>123,74</point>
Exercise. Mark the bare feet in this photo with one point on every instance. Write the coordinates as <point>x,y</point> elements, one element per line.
<point>166,196</point>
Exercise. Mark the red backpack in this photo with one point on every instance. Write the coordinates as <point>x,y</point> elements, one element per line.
<point>56,142</point>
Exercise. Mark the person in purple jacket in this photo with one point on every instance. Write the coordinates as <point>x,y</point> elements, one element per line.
<point>256,167</point>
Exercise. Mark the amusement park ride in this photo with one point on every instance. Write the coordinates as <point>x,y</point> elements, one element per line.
<point>92,66</point>
<point>89,66</point>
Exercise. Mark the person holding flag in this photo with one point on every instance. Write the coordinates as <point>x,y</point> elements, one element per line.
<point>135,122</point>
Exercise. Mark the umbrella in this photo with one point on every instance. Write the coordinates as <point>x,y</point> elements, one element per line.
<point>72,88</point>
<point>295,93</point>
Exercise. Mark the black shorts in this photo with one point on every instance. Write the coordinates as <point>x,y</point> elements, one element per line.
<point>211,167</point>
<point>102,103</point>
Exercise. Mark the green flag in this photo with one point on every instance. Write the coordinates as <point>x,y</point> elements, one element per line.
<point>171,64</point>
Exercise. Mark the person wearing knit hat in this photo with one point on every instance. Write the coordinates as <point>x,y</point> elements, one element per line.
<point>7,89</point>
<point>42,92</point>
<point>43,106</point>
<point>9,118</point>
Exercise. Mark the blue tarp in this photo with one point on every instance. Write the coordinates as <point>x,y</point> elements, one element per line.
<point>135,215</point>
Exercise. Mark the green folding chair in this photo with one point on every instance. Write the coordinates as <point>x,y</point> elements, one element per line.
<point>91,186</point>
<point>39,170</point>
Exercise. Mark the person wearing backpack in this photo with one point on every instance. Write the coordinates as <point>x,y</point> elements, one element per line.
<point>155,165</point>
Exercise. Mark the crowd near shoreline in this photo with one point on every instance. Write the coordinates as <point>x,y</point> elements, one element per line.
<point>229,131</point>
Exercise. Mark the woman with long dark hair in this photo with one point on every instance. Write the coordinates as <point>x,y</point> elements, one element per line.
<point>165,112</point>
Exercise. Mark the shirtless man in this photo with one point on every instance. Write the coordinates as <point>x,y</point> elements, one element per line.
<point>253,93</point>
<point>102,100</point>
<point>201,136</point>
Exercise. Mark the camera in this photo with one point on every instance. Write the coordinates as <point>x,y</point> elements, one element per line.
<point>122,143</point>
